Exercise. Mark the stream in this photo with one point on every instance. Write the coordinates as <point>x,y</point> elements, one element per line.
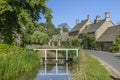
<point>51,70</point>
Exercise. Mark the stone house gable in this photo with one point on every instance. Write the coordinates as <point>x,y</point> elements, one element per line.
<point>103,28</point>
<point>79,27</point>
<point>99,26</point>
<point>110,34</point>
<point>106,39</point>
<point>92,28</point>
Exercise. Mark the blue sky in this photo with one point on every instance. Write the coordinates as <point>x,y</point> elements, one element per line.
<point>70,10</point>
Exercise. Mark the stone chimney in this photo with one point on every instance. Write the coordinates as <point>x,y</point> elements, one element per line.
<point>61,30</point>
<point>107,16</point>
<point>88,17</point>
<point>97,19</point>
<point>77,21</point>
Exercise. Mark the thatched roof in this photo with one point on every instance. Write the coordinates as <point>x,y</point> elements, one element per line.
<point>110,34</point>
<point>92,28</point>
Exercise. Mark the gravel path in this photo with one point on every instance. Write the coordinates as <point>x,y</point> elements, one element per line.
<point>111,59</point>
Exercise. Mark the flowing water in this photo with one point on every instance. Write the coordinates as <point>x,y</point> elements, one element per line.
<point>51,70</point>
<point>54,71</point>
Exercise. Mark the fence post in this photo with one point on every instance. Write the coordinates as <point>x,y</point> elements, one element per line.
<point>66,54</point>
<point>45,55</point>
<point>77,52</point>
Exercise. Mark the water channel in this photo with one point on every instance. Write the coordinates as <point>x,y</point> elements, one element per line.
<point>52,70</point>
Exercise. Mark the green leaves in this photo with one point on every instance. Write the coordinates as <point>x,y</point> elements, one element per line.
<point>116,44</point>
<point>88,41</point>
<point>4,6</point>
<point>39,38</point>
<point>19,16</point>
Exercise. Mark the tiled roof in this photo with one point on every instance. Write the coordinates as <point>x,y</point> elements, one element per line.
<point>93,27</point>
<point>110,34</point>
<point>79,26</point>
<point>61,36</point>
<point>54,37</point>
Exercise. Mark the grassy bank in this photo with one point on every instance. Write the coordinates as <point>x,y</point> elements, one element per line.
<point>90,69</point>
<point>15,61</point>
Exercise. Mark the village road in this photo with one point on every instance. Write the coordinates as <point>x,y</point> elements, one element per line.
<point>110,58</point>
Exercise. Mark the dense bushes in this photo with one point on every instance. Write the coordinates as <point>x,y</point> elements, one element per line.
<point>116,44</point>
<point>73,42</point>
<point>39,38</point>
<point>15,61</point>
<point>88,41</point>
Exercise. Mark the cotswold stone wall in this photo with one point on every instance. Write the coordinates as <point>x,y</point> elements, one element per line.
<point>103,28</point>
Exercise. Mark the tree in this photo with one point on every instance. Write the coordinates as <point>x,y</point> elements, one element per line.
<point>50,29</point>
<point>19,16</point>
<point>63,26</point>
<point>88,41</point>
<point>39,38</point>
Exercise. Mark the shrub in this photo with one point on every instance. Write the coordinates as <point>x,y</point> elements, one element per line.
<point>15,61</point>
<point>116,44</point>
<point>73,42</point>
<point>39,38</point>
<point>88,41</point>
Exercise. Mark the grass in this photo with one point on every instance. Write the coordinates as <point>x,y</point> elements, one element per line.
<point>15,61</point>
<point>90,69</point>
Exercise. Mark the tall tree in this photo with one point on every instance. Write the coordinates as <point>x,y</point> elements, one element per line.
<point>20,15</point>
<point>47,28</point>
<point>63,26</point>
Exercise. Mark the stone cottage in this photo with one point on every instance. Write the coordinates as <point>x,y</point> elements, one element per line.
<point>59,39</point>
<point>106,39</point>
<point>99,26</point>
<point>79,27</point>
<point>103,29</point>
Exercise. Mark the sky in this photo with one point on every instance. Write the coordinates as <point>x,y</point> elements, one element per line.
<point>67,11</point>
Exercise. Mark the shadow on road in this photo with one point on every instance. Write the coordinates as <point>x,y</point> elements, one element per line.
<point>118,57</point>
<point>114,78</point>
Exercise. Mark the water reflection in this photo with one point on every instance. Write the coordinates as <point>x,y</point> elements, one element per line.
<point>54,71</point>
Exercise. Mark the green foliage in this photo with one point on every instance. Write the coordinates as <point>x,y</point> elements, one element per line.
<point>50,29</point>
<point>67,44</point>
<point>63,26</point>
<point>19,16</point>
<point>90,69</point>
<point>15,61</point>
<point>116,44</point>
<point>88,41</point>
<point>73,42</point>
<point>39,38</point>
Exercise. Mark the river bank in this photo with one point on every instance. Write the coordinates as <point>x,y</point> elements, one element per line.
<point>90,69</point>
<point>15,61</point>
